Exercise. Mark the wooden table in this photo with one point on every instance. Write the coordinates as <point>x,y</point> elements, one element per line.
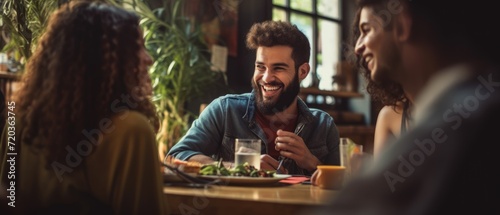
<point>278,199</point>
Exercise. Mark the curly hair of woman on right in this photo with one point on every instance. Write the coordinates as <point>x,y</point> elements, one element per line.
<point>388,92</point>
<point>395,114</point>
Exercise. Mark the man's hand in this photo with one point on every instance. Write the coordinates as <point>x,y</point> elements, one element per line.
<point>269,163</point>
<point>292,146</point>
<point>314,178</point>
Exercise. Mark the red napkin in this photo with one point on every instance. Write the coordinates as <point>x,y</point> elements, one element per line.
<point>294,180</point>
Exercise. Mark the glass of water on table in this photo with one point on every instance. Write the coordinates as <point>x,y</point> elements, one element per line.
<point>247,150</point>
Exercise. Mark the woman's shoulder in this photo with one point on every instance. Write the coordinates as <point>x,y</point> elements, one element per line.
<point>126,123</point>
<point>389,117</point>
<point>390,112</point>
<point>128,118</point>
<point>394,110</point>
<point>128,129</point>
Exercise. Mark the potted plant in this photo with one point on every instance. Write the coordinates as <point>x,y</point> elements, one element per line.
<point>181,71</point>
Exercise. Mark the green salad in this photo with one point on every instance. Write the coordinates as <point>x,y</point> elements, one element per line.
<point>239,170</point>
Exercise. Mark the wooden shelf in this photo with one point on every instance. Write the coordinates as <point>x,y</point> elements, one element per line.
<point>347,117</point>
<point>10,75</point>
<point>8,81</point>
<point>337,94</point>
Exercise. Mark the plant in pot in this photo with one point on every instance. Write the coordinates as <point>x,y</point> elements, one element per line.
<point>181,71</point>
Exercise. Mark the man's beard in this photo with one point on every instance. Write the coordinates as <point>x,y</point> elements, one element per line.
<point>285,98</point>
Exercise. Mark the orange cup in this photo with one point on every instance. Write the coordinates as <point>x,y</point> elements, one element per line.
<point>329,176</point>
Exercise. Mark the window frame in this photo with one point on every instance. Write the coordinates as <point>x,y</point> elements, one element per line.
<point>316,17</point>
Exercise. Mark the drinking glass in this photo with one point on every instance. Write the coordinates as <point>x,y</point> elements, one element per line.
<point>247,150</point>
<point>350,155</point>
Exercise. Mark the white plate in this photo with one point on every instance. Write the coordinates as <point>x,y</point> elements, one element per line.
<point>172,177</point>
<point>245,180</point>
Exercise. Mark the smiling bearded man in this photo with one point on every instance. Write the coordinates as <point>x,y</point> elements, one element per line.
<point>271,112</point>
<point>269,105</point>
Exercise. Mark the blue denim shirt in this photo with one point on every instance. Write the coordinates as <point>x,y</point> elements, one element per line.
<point>233,116</point>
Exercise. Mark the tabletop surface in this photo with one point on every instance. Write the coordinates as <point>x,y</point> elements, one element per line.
<point>276,193</point>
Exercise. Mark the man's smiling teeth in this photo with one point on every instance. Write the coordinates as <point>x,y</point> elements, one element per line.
<point>268,88</point>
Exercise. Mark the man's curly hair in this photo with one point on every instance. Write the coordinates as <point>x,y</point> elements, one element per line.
<point>273,33</point>
<point>85,62</point>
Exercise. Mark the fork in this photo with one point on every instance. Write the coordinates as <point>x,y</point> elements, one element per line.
<point>282,158</point>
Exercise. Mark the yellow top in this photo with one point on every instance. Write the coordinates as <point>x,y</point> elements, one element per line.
<point>122,173</point>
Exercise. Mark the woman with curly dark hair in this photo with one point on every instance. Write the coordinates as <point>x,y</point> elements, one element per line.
<point>85,125</point>
<point>394,117</point>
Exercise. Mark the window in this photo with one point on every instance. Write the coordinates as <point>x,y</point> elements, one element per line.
<point>321,22</point>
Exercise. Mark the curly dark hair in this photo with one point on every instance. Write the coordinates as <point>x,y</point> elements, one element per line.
<point>450,32</point>
<point>86,61</point>
<point>387,93</point>
<point>273,33</point>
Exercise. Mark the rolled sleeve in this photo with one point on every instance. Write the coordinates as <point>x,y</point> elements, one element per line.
<point>204,136</point>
